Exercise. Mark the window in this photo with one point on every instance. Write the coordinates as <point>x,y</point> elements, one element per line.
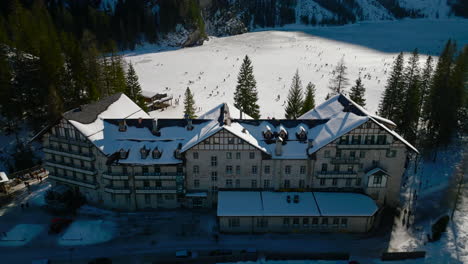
<point>127,198</point>
<point>375,163</point>
<point>228,155</point>
<point>266,184</point>
<point>159,197</point>
<point>231,141</point>
<point>287,169</point>
<point>147,199</point>
<point>368,125</point>
<point>234,222</point>
<point>348,182</point>
<point>214,188</point>
<point>335,182</point>
<point>301,183</point>
<point>228,169</point>
<point>113,197</point>
<point>169,197</point>
<point>195,155</point>
<point>327,153</point>
<point>315,221</point>
<point>238,169</point>
<point>262,222</point>
<point>336,222</point>
<point>336,167</point>
<point>356,140</point>
<point>228,183</point>
<point>214,176</point>
<point>324,221</point>
<point>254,183</point>
<point>377,179</point>
<point>215,140</point>
<point>158,183</point>
<point>352,154</point>
<point>196,183</point>
<point>214,161</point>
<point>369,140</point>
<point>124,170</point>
<point>82,164</point>
<point>302,170</point>
<point>305,221</point>
<point>267,169</point>
<point>362,154</point>
<point>344,140</point>
<point>238,155</point>
<point>324,167</point>
<point>237,183</point>
<point>350,168</point>
<point>144,170</point>
<point>254,169</point>
<point>344,222</point>
<point>196,169</point>
<point>157,169</point>
<point>381,139</point>
<point>252,155</point>
<point>322,182</point>
<point>286,183</point>
<point>358,182</point>
<point>295,221</point>
<point>146,184</point>
<point>286,221</point>
<point>125,184</point>
<point>391,153</point>
<point>338,153</point>
<point>239,141</point>
<point>207,141</point>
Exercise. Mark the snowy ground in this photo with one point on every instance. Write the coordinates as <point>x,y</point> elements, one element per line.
<point>21,234</point>
<point>368,48</point>
<point>84,232</point>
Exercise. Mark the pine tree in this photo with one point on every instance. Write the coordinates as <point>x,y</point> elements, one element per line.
<point>390,104</point>
<point>339,81</point>
<point>438,104</point>
<point>294,101</point>
<point>409,115</point>
<point>189,105</point>
<point>245,96</point>
<point>358,92</point>
<point>426,78</point>
<point>309,101</point>
<point>134,88</point>
<point>458,90</point>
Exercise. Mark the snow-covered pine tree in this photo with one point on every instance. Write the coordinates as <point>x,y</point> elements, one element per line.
<point>309,101</point>
<point>426,78</point>
<point>339,81</point>
<point>390,104</point>
<point>133,87</point>
<point>294,101</point>
<point>245,96</point>
<point>438,104</point>
<point>409,115</point>
<point>358,93</point>
<point>189,105</point>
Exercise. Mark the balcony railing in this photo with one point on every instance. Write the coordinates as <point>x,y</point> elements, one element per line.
<point>70,141</point>
<point>148,190</point>
<point>115,176</point>
<point>363,146</point>
<point>83,183</point>
<point>345,160</point>
<point>158,175</point>
<point>70,166</point>
<point>69,153</point>
<point>336,174</point>
<point>117,190</point>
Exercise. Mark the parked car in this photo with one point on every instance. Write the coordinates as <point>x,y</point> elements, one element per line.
<point>186,254</point>
<point>58,224</point>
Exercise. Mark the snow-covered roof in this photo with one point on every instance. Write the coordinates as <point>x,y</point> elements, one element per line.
<point>376,170</point>
<point>219,110</point>
<point>3,177</point>
<point>251,203</point>
<point>345,204</point>
<point>344,115</point>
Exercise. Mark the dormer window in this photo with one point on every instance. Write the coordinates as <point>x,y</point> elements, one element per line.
<point>144,152</point>
<point>267,134</point>
<point>301,133</point>
<point>283,134</point>
<point>177,153</point>
<point>123,154</point>
<point>156,153</point>
<point>122,126</point>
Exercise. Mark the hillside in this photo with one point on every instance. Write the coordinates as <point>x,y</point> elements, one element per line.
<point>211,70</point>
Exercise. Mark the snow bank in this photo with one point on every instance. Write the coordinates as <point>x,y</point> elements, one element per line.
<point>21,235</point>
<point>85,232</point>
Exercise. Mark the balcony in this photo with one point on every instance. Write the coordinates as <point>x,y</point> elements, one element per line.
<point>117,190</point>
<point>69,153</point>
<point>115,176</point>
<point>150,190</point>
<point>337,174</point>
<point>70,141</point>
<point>345,160</point>
<point>82,183</point>
<point>70,166</point>
<point>158,175</point>
<point>363,146</point>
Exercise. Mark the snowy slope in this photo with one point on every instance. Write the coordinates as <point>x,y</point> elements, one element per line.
<point>428,8</point>
<point>211,70</point>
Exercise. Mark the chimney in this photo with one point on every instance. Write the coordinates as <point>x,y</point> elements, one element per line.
<point>310,143</point>
<point>227,115</point>
<point>122,154</point>
<point>189,124</point>
<point>279,146</point>
<point>155,129</point>
<point>122,126</point>
<point>177,153</point>
<point>140,120</point>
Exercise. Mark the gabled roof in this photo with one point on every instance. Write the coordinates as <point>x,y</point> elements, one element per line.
<point>378,171</point>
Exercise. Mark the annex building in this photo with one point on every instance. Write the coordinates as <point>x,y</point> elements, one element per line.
<point>332,169</point>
